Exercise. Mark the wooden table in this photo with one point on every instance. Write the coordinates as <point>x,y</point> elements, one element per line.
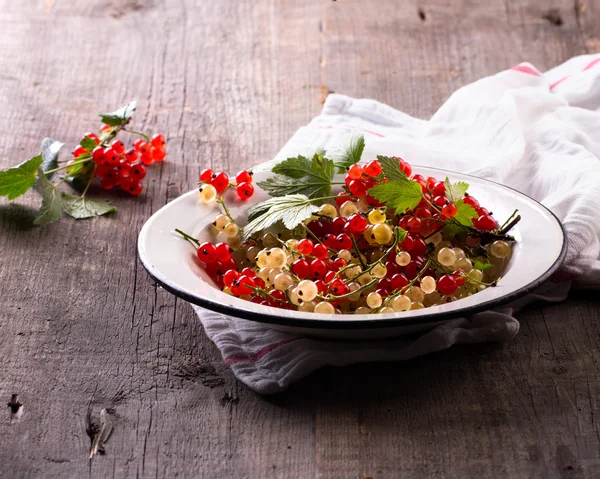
<point>83,327</point>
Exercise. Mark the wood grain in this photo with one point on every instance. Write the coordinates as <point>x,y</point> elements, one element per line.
<point>83,327</point>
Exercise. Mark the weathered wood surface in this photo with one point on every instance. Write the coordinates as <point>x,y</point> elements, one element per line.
<point>82,325</point>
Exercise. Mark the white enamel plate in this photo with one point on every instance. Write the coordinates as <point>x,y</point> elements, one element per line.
<point>171,261</point>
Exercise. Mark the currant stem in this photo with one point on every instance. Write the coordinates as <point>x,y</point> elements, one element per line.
<point>92,175</point>
<point>188,237</point>
<point>358,254</point>
<point>509,218</point>
<point>352,293</point>
<point>225,209</point>
<point>143,135</point>
<point>54,170</point>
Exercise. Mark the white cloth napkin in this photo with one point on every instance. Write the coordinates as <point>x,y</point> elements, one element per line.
<point>538,133</point>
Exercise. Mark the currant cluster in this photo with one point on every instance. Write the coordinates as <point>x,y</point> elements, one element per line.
<point>113,163</point>
<point>213,184</point>
<point>354,255</point>
<point>361,178</point>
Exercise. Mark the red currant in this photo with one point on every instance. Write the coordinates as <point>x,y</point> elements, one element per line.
<point>118,146</point>
<point>373,168</point>
<point>320,251</point>
<point>355,171</point>
<point>98,154</point>
<point>343,241</point>
<point>131,155</point>
<point>414,225</point>
<point>336,287</point>
<point>158,141</point>
<point>440,201</point>
<point>342,197</point>
<point>358,223</point>
<point>423,212</point>
<point>449,210</point>
<point>459,277</point>
<point>430,182</point>
<point>223,252</point>
<point>317,228</point>
<point>485,223</point>
<point>106,128</point>
<point>230,276</point>
<point>133,187</point>
<point>146,158</point>
<point>419,247</point>
<point>207,253</point>
<point>206,175</point>
<point>305,246</point>
<point>447,285</point>
<point>358,188</point>
<point>398,281</point>
<point>404,166</point>
<point>412,269</point>
<point>137,145</point>
<point>244,190</point>
<point>301,268</point>
<point>142,147</point>
<point>220,181</point>
<point>469,200</point>
<point>138,171</point>
<point>245,285</point>
<point>110,155</point>
<point>329,276</point>
<point>318,268</point>
<point>243,176</point>
<point>407,243</point>
<point>439,189</point>
<point>338,264</point>
<point>158,154</point>
<point>78,151</point>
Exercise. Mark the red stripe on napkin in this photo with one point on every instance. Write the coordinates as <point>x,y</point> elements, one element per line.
<point>258,355</point>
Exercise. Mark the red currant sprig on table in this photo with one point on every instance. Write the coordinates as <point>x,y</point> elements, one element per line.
<point>213,184</point>
<point>117,166</point>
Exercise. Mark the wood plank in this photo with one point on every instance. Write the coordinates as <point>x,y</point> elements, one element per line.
<point>228,82</point>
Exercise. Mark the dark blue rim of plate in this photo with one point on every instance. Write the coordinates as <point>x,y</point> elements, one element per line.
<point>372,323</point>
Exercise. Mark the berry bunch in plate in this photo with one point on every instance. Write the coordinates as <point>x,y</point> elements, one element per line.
<point>387,241</point>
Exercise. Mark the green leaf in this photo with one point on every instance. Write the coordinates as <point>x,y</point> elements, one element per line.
<point>481,266</point>
<point>402,234</point>
<point>50,150</point>
<point>15,181</point>
<point>402,195</point>
<point>88,143</point>
<point>293,167</point>
<point>391,168</point>
<point>464,213</point>
<point>80,207</point>
<point>291,210</point>
<point>120,116</point>
<point>52,206</point>
<point>80,169</point>
<point>315,182</point>
<point>350,154</point>
<point>455,191</point>
<point>464,216</point>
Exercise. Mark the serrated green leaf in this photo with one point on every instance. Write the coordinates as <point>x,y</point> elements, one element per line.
<point>464,213</point>
<point>451,230</point>
<point>391,169</point>
<point>120,116</point>
<point>81,207</point>
<point>315,183</point>
<point>455,191</point>
<point>15,181</point>
<point>400,195</point>
<point>80,169</point>
<point>481,266</point>
<point>52,206</point>
<point>50,150</point>
<point>291,210</point>
<point>293,167</point>
<point>88,143</point>
<point>350,154</point>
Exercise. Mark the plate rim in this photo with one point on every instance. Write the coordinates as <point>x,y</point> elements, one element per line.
<point>398,321</point>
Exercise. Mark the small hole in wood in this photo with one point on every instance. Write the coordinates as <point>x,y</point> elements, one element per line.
<point>422,14</point>
<point>553,16</point>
